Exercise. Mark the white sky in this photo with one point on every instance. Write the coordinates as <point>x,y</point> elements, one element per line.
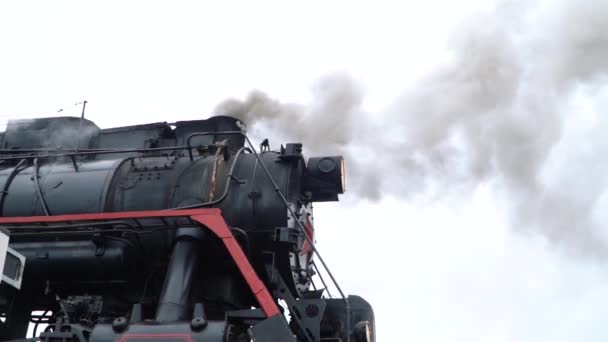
<point>447,271</point>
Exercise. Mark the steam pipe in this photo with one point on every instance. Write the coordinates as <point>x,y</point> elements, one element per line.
<point>175,295</point>
<point>45,207</point>
<point>8,182</point>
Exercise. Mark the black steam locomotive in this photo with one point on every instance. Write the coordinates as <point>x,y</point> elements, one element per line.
<point>165,232</point>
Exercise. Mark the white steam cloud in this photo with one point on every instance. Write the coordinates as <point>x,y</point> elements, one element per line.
<point>495,111</point>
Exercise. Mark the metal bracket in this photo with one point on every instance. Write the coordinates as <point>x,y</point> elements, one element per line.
<point>272,329</point>
<point>289,236</point>
<point>100,247</point>
<point>305,313</point>
<point>64,331</point>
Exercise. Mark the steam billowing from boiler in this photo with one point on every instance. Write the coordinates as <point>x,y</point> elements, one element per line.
<point>330,118</point>
<point>495,111</point>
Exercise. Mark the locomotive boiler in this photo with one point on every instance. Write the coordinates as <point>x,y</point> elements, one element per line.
<point>166,232</point>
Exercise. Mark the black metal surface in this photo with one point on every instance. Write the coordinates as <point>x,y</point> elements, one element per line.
<point>65,190</point>
<point>17,317</point>
<point>78,260</point>
<point>165,271</point>
<point>272,329</point>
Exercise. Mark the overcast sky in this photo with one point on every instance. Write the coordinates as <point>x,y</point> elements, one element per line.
<point>446,268</point>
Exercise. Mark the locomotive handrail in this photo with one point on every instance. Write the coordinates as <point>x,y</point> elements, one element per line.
<point>71,153</point>
<point>45,207</point>
<point>195,134</point>
<point>85,150</point>
<point>289,209</point>
<point>229,177</point>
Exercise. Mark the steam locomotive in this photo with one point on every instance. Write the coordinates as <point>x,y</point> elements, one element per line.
<point>166,232</point>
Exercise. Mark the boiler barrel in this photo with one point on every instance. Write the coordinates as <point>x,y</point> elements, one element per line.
<point>155,183</point>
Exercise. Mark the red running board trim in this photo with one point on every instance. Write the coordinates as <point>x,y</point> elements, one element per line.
<point>209,217</point>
